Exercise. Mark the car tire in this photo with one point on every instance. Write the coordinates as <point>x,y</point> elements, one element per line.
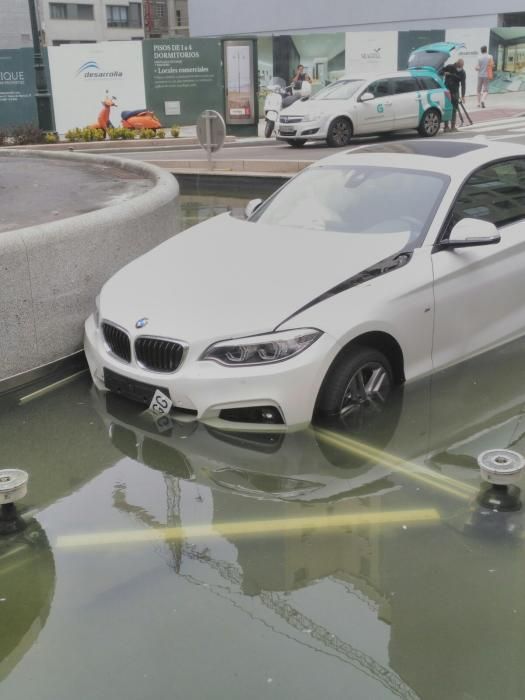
<point>355,390</point>
<point>296,143</point>
<point>340,132</point>
<point>268,129</point>
<point>430,123</point>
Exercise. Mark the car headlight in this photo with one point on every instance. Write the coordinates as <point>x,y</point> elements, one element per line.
<point>261,349</point>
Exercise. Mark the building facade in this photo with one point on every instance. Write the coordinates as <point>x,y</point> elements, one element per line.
<point>15,27</point>
<point>90,21</point>
<point>276,17</point>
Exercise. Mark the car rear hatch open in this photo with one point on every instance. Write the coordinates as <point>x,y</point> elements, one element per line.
<point>433,56</point>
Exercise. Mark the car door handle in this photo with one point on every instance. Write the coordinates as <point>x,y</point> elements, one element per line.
<point>387,104</point>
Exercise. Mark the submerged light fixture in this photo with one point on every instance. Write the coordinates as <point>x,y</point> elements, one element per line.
<point>501,469</point>
<point>13,487</point>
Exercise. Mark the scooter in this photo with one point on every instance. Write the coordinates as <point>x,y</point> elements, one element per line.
<point>280,96</point>
<point>140,119</point>
<point>103,120</point>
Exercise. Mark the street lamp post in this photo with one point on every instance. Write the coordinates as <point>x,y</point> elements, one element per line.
<point>43,96</point>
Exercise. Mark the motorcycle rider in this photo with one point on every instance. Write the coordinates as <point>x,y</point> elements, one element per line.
<point>455,80</point>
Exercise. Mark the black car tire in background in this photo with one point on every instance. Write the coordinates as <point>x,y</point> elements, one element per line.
<point>430,123</point>
<point>340,132</point>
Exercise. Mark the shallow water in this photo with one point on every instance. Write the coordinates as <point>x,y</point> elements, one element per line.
<point>175,560</point>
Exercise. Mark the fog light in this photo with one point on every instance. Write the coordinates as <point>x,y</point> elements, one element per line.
<point>268,415</point>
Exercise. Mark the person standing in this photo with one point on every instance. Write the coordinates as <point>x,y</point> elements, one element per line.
<point>300,75</point>
<point>485,69</point>
<point>456,82</point>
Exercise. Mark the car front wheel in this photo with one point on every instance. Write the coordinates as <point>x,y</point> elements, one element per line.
<point>339,133</point>
<point>356,389</point>
<point>430,123</point>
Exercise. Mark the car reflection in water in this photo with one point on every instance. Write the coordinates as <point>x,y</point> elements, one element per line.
<point>27,585</point>
<point>429,612</point>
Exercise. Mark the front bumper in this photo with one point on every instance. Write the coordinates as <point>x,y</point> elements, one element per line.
<point>312,130</point>
<point>204,389</point>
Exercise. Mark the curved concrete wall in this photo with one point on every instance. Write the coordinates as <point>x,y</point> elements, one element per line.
<point>50,274</point>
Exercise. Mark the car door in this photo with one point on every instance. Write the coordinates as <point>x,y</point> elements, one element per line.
<point>479,292</point>
<point>406,101</point>
<point>376,114</point>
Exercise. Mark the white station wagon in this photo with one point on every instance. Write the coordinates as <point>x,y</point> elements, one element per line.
<point>416,98</point>
<point>368,269</point>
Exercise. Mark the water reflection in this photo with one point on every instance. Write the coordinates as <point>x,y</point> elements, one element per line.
<point>27,584</point>
<point>403,608</point>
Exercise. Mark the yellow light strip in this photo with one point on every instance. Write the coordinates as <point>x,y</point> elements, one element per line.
<point>250,527</point>
<point>413,470</point>
<point>50,387</point>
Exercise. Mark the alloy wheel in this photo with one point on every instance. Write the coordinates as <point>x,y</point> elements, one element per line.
<point>365,394</point>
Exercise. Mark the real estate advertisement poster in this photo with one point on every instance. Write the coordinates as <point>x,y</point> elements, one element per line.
<point>82,75</point>
<point>239,79</point>
<point>17,88</point>
<point>183,77</point>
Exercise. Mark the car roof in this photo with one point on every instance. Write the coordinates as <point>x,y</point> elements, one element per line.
<point>409,73</point>
<point>453,157</point>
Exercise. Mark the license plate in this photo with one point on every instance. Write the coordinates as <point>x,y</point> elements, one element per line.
<point>132,389</point>
<point>287,129</point>
<point>160,404</point>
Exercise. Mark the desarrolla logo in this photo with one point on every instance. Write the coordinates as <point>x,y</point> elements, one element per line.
<point>90,70</point>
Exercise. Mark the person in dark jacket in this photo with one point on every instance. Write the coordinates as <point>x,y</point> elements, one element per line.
<point>456,82</point>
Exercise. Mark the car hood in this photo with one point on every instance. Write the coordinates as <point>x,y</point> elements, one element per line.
<point>228,277</point>
<point>315,107</point>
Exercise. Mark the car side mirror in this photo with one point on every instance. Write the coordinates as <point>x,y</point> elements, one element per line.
<point>472,232</point>
<point>252,205</point>
<point>366,97</point>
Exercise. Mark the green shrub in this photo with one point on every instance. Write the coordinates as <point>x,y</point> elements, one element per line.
<point>50,137</point>
<point>161,133</point>
<point>128,133</point>
<point>147,134</point>
<point>73,135</point>
<point>26,134</point>
<point>175,131</point>
<point>4,137</point>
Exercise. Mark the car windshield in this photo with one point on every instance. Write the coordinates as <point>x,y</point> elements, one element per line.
<point>341,90</point>
<point>357,199</point>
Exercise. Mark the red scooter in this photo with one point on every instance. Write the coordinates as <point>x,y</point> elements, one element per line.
<point>140,119</point>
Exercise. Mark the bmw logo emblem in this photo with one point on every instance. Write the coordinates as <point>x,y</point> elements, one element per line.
<point>141,323</point>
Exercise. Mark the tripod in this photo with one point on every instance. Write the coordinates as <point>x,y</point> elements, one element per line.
<point>462,112</point>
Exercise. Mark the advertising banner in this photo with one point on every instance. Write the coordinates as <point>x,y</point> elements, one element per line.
<point>371,52</point>
<point>183,78</point>
<point>473,39</point>
<point>17,88</point>
<point>82,75</point>
<point>240,85</point>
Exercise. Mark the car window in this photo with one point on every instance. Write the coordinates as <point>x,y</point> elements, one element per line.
<point>379,88</point>
<point>345,199</point>
<point>494,193</point>
<point>402,85</point>
<point>428,83</point>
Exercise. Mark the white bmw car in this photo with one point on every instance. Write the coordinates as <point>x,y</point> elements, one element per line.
<point>368,269</point>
